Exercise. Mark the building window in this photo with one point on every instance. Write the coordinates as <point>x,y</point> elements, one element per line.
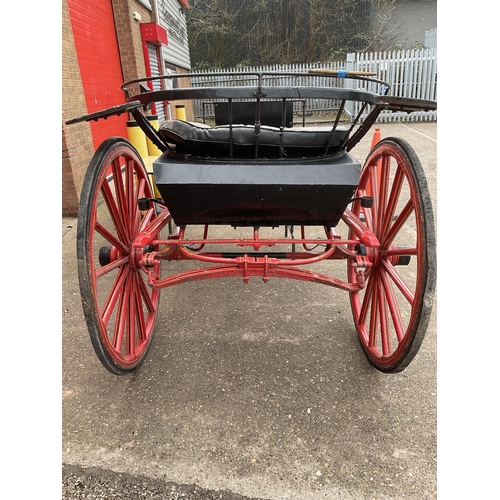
<point>146,3</point>
<point>171,83</point>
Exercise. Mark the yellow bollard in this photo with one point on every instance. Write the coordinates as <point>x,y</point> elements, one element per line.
<point>180,112</point>
<point>153,153</point>
<point>152,148</point>
<point>137,137</point>
<point>151,176</point>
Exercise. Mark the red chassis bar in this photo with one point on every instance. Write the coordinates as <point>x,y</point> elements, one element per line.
<point>247,264</point>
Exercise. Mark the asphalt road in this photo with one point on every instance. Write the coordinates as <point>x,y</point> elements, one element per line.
<point>249,391</point>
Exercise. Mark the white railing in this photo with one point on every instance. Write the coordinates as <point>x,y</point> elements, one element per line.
<point>411,74</point>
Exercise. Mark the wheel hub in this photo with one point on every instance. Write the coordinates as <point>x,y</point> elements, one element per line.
<point>108,254</point>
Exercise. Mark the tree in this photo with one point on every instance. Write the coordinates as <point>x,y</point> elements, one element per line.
<point>226,33</point>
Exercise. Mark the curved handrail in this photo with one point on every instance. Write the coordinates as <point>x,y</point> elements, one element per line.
<point>261,75</point>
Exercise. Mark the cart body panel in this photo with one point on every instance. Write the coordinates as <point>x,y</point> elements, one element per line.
<point>257,192</point>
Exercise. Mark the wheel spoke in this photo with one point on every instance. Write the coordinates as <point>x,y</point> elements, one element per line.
<point>146,220</point>
<point>114,212</point>
<point>132,314</point>
<point>383,169</point>
<point>372,335</point>
<point>139,193</point>
<point>397,320</point>
<point>121,197</point>
<point>111,238</point>
<point>122,314</point>
<point>141,322</point>
<point>367,212</point>
<point>144,293</point>
<point>390,212</point>
<point>133,210</point>
<point>102,271</point>
<point>113,296</point>
<point>398,281</point>
<point>374,190</point>
<point>398,224</point>
<point>366,302</point>
<point>384,327</point>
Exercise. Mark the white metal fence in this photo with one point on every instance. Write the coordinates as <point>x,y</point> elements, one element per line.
<point>408,73</point>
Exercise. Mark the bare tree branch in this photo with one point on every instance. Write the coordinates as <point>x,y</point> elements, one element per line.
<point>224,33</point>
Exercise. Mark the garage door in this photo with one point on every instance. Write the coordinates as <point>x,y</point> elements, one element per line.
<point>155,70</point>
<point>99,60</point>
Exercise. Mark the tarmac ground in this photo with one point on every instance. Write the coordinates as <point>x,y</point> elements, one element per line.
<point>250,391</point>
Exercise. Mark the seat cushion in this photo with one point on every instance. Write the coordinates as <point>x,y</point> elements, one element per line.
<point>203,139</point>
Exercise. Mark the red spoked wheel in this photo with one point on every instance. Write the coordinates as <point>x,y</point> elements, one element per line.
<point>120,308</point>
<point>392,312</point>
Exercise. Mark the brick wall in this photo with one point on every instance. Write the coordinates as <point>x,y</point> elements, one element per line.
<point>129,39</point>
<point>77,145</point>
<point>183,82</point>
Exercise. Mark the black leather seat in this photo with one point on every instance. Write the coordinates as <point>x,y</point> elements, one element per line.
<point>200,139</point>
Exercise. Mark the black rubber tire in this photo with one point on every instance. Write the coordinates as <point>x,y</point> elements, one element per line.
<point>136,323</point>
<point>389,348</point>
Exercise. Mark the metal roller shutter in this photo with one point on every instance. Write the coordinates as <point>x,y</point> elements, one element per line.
<point>155,68</point>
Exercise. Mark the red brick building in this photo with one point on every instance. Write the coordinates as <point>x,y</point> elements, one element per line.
<point>105,43</point>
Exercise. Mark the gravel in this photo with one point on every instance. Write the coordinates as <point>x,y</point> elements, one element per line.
<point>95,483</point>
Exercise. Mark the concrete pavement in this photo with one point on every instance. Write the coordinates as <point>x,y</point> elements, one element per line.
<point>260,389</point>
